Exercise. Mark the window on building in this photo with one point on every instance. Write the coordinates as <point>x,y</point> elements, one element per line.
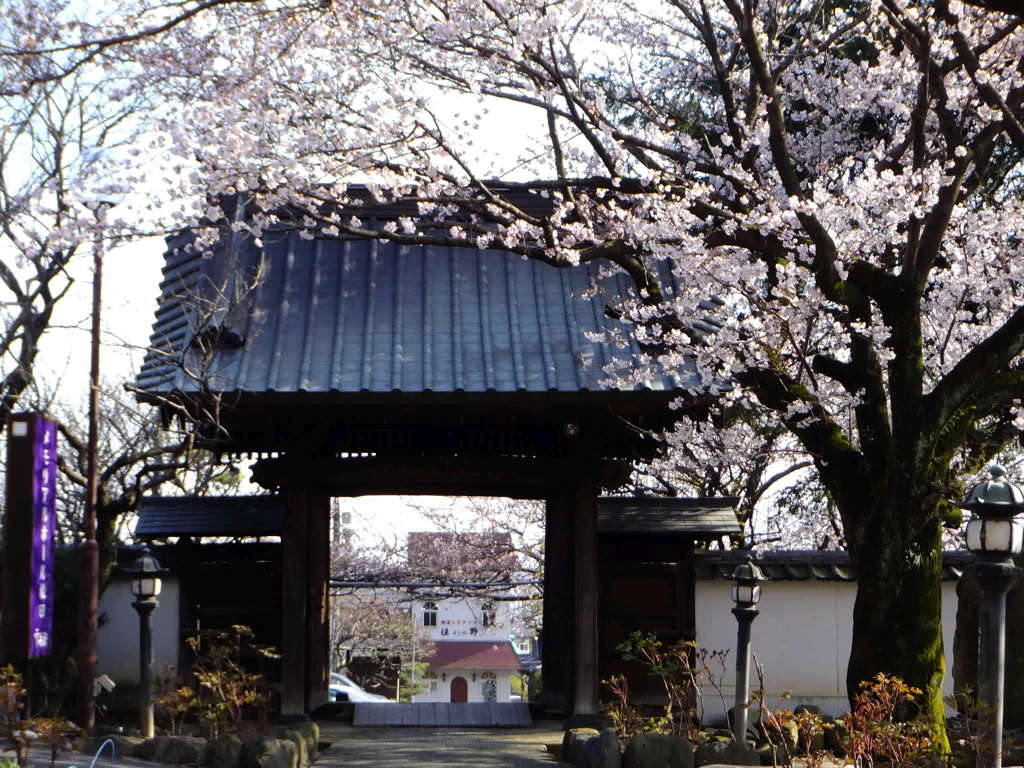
<point>433,686</point>
<point>430,614</point>
<point>488,614</point>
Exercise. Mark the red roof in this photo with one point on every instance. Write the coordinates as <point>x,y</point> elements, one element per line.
<point>476,654</point>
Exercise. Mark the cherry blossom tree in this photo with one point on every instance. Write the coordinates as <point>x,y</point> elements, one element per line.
<point>43,133</point>
<point>834,186</point>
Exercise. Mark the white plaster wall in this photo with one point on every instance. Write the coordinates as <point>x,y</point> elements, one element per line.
<point>801,638</point>
<point>117,640</point>
<point>460,616</point>
<point>474,689</point>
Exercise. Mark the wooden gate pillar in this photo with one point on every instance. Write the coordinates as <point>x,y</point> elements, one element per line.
<point>318,639</point>
<point>585,583</point>
<point>571,586</point>
<point>304,604</point>
<point>557,646</point>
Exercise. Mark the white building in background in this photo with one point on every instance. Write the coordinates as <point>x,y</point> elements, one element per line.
<point>471,658</point>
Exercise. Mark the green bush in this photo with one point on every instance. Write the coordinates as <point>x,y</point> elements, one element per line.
<point>878,727</point>
<point>227,689</point>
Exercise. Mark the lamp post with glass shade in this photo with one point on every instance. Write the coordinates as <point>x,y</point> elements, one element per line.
<point>746,593</point>
<point>145,573</point>
<point>994,535</point>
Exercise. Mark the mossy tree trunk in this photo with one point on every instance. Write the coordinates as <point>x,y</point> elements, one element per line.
<point>897,616</point>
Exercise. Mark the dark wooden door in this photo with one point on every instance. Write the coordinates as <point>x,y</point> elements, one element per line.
<point>460,690</point>
<point>650,597</point>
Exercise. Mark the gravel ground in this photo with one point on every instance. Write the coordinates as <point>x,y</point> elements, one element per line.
<point>437,747</point>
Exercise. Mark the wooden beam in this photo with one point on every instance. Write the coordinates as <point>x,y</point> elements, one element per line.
<point>453,475</point>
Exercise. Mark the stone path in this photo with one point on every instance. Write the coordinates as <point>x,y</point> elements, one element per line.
<point>384,747</point>
<point>437,747</point>
<point>443,715</point>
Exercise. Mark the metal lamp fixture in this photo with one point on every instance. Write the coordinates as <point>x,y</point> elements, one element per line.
<point>993,527</point>
<point>746,593</point>
<point>994,535</point>
<point>748,576</point>
<point>145,572</point>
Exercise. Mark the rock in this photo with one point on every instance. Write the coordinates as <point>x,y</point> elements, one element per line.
<point>725,753</point>
<point>301,748</point>
<point>260,752</point>
<point>578,754</point>
<point>718,734</point>
<point>147,749</point>
<point>225,751</point>
<point>123,746</point>
<point>836,736</point>
<point>570,738</point>
<point>604,751</point>
<point>753,734</point>
<point>181,750</point>
<point>310,732</point>
<point>658,750</point>
<point>785,732</point>
<point>771,754</point>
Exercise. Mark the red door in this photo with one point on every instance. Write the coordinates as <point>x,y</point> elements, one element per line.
<point>460,690</point>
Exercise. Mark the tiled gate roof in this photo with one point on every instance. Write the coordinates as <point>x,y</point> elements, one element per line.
<point>349,316</point>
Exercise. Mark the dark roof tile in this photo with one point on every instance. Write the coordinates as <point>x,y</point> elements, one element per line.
<point>804,565</point>
<point>700,517</point>
<point>355,316</point>
<point>162,516</point>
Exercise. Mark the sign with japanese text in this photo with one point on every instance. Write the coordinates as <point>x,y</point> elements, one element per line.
<point>29,531</point>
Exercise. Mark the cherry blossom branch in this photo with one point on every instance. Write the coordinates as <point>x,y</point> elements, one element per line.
<point>980,365</point>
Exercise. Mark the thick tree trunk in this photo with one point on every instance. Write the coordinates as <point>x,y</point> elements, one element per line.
<point>897,617</point>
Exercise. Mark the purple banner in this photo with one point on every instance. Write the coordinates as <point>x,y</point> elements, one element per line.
<point>44,525</point>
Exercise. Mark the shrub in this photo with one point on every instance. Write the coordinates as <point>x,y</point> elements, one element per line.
<point>809,725</point>
<point>12,725</point>
<point>54,732</point>
<point>681,667</point>
<point>226,688</point>
<point>626,719</point>
<point>878,729</point>
<point>793,733</point>
<point>174,705</point>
